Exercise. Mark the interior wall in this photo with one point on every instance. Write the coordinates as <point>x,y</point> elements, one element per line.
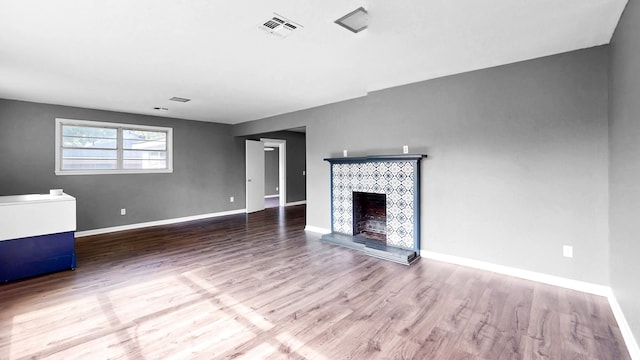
<point>206,171</point>
<point>271,175</point>
<point>517,166</point>
<point>624,177</point>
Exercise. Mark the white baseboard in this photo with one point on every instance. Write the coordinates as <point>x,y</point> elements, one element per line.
<point>156,223</point>
<point>601,290</point>
<point>625,329</point>
<point>523,274</point>
<point>318,230</point>
<point>271,196</point>
<point>303,202</point>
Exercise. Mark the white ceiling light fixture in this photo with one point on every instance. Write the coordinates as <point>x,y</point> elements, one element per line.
<point>179,99</point>
<point>279,26</point>
<point>355,21</point>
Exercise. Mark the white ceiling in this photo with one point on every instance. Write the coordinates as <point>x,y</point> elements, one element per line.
<point>132,56</point>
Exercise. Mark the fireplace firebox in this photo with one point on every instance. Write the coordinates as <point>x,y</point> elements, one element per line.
<point>370,215</point>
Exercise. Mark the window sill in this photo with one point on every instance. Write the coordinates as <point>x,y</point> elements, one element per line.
<point>111,172</point>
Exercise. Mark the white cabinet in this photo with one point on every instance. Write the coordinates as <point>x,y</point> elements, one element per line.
<point>36,235</point>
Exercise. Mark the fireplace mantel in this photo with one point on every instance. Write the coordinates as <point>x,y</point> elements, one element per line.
<point>367,158</point>
<point>396,176</point>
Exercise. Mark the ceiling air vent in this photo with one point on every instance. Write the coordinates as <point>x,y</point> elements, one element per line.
<point>179,99</point>
<point>355,21</point>
<point>279,26</point>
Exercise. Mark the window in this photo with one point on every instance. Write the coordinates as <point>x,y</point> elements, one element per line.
<point>90,147</point>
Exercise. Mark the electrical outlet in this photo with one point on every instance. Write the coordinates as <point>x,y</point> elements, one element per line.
<point>567,251</point>
<point>231,199</point>
<point>123,211</point>
<point>344,153</point>
<point>405,149</point>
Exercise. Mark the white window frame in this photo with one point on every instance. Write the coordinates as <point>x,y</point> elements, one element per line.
<point>58,150</point>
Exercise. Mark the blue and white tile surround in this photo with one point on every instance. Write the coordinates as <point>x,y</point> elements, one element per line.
<point>397,176</point>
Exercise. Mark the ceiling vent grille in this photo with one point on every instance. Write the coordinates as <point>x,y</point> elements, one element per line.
<point>279,26</point>
<point>355,21</point>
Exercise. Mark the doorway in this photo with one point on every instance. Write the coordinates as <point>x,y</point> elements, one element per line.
<point>281,145</point>
<point>255,172</point>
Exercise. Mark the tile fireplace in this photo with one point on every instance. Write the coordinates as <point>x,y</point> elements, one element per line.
<point>375,205</point>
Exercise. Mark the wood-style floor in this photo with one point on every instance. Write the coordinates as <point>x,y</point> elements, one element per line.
<point>259,287</point>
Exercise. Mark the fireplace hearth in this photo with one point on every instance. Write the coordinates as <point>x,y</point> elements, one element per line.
<point>375,205</point>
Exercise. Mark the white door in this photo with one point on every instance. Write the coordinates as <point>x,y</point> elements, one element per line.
<point>255,175</point>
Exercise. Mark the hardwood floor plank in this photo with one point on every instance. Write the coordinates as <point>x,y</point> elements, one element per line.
<point>544,325</point>
<point>258,287</point>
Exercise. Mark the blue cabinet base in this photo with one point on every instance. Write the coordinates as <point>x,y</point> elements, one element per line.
<point>36,255</point>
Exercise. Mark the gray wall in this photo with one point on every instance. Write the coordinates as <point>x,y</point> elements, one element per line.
<point>518,159</point>
<point>208,168</point>
<point>271,172</point>
<point>624,174</point>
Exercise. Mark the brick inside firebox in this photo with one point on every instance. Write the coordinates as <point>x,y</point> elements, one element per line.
<point>370,215</point>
